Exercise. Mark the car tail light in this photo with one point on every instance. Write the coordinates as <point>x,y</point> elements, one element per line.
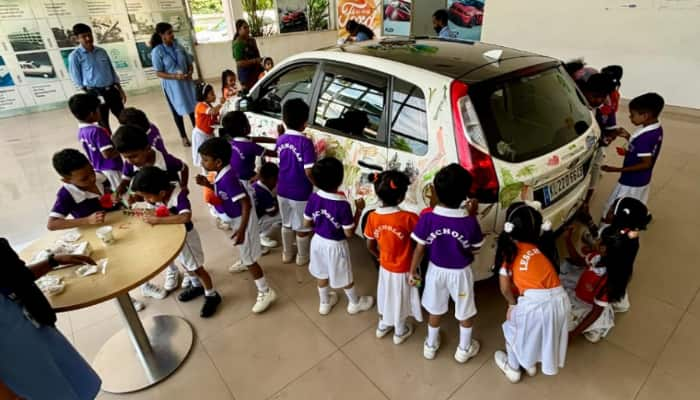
<point>471,146</point>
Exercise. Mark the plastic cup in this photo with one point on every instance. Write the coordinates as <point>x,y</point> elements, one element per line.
<point>105,234</point>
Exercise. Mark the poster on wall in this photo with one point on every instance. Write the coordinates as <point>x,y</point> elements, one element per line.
<point>9,96</point>
<point>292,15</point>
<point>63,8</point>
<point>466,18</point>
<point>109,29</point>
<point>23,35</point>
<point>15,9</point>
<point>366,12</point>
<point>397,17</point>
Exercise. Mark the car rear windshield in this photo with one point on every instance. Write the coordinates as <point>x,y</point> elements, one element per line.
<point>530,113</point>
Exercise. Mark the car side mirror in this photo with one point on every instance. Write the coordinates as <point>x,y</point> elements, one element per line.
<point>243,104</point>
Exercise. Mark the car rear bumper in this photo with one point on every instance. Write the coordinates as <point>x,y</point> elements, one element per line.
<point>564,209</point>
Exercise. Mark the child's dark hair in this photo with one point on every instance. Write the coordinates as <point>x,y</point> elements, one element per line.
<point>269,170</point>
<point>452,184</point>
<point>573,66</point>
<point>266,59</point>
<point>83,104</point>
<point>620,252</point>
<point>441,15</point>
<point>130,138</point>
<point>525,224</point>
<point>136,117</point>
<point>615,72</point>
<point>328,174</point>
<point>651,103</point>
<point>390,186</point>
<point>80,28</point>
<point>630,214</point>
<point>235,124</point>
<point>68,160</point>
<point>203,90</point>
<point>151,180</point>
<point>295,113</point>
<point>599,84</point>
<point>224,77</point>
<point>217,148</point>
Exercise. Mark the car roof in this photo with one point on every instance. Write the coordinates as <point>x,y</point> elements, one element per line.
<point>456,59</point>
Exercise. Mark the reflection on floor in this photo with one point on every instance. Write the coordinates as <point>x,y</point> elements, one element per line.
<point>291,352</point>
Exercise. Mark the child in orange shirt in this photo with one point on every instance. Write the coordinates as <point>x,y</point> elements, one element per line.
<point>388,232</point>
<point>538,306</point>
<point>205,116</point>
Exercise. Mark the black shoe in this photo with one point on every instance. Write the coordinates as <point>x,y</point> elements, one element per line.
<point>190,293</point>
<point>210,305</point>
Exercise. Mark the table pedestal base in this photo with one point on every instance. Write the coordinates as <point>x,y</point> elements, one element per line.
<point>142,355</point>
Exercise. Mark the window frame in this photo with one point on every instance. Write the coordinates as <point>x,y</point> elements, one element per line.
<point>256,93</point>
<point>355,71</point>
<point>427,118</point>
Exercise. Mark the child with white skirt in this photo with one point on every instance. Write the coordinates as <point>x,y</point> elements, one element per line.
<point>329,213</point>
<point>538,307</point>
<point>388,233</point>
<point>205,116</point>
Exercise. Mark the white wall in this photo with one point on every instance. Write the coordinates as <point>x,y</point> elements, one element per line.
<point>659,48</point>
<point>216,57</point>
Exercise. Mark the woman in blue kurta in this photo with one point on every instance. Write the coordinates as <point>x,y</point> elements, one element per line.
<point>173,65</point>
<point>37,361</point>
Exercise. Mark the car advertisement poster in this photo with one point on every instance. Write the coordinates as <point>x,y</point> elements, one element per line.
<point>292,15</point>
<point>397,17</point>
<point>466,18</point>
<point>365,12</point>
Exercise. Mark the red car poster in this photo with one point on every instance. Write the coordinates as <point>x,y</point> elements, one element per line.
<point>466,18</point>
<point>397,17</point>
<point>366,12</point>
<point>292,15</point>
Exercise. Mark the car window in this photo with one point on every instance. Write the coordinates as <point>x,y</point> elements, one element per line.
<point>409,121</point>
<point>352,103</point>
<point>530,115</point>
<point>296,83</point>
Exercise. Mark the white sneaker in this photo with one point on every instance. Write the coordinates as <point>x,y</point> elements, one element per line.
<point>501,359</point>
<point>324,309</point>
<point>172,280</point>
<point>220,224</point>
<point>264,250</point>
<point>186,281</point>
<point>364,303</point>
<point>150,290</point>
<point>430,352</point>
<point>623,305</point>
<point>265,299</point>
<point>531,371</point>
<point>267,242</point>
<point>138,305</point>
<point>237,267</point>
<point>593,336</point>
<point>380,333</point>
<point>405,336</point>
<point>302,260</point>
<point>462,356</point>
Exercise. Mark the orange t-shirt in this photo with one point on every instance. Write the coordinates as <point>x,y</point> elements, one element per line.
<point>531,269</point>
<point>391,228</point>
<point>202,119</point>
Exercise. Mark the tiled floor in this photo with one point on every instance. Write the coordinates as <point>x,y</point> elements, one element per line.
<point>291,352</point>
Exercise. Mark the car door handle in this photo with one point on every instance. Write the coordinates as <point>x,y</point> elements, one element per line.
<point>367,165</point>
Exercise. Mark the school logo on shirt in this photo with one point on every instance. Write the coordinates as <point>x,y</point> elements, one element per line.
<point>388,228</point>
<point>293,148</point>
<point>447,232</point>
<point>323,212</point>
<point>223,195</point>
<point>525,259</point>
<point>238,151</point>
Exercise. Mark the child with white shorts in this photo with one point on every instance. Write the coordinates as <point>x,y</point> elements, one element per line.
<point>451,235</point>
<point>329,213</point>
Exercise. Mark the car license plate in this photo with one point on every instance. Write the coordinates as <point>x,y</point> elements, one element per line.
<point>556,189</point>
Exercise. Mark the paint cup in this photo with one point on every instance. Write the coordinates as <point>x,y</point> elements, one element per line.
<point>105,234</point>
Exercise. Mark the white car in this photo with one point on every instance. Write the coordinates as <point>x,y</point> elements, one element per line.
<point>514,119</point>
<point>31,68</point>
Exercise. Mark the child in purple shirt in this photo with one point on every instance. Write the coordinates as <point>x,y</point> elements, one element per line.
<point>134,116</point>
<point>642,152</point>
<point>297,155</point>
<point>451,234</point>
<point>237,210</point>
<point>95,140</point>
<point>329,213</point>
<point>173,207</point>
<point>85,195</point>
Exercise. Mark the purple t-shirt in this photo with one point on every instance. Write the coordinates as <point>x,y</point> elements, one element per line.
<point>164,161</point>
<point>228,188</point>
<point>330,213</point>
<point>155,139</point>
<point>265,201</point>
<point>450,236</point>
<point>243,155</point>
<point>646,142</point>
<point>179,204</point>
<point>296,153</point>
<point>95,140</point>
<point>73,201</point>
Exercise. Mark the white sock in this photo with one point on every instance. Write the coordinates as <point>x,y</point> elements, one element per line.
<point>352,296</point>
<point>209,292</point>
<point>383,325</point>
<point>287,241</point>
<point>465,337</point>
<point>262,285</point>
<point>400,329</point>
<point>433,334</point>
<point>195,281</point>
<point>324,294</point>
<point>303,244</point>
